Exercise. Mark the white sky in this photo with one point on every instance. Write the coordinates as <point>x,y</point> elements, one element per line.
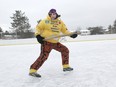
<point>75,13</point>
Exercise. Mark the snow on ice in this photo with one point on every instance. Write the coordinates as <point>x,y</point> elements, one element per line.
<point>94,64</point>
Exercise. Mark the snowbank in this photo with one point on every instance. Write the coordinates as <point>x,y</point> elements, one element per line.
<point>64,39</point>
<point>93,37</point>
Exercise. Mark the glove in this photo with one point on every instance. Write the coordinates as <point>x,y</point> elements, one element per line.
<point>40,39</point>
<point>74,35</point>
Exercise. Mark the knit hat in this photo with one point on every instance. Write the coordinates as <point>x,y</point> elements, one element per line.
<point>52,11</point>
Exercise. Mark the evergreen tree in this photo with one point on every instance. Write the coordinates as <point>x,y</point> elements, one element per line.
<point>114,27</point>
<point>20,24</point>
<point>96,30</point>
<point>6,33</point>
<point>1,29</point>
<point>1,32</point>
<point>110,29</point>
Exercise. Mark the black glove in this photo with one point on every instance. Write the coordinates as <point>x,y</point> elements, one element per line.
<point>40,39</point>
<point>74,35</point>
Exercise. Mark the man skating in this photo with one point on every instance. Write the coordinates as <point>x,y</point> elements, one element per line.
<point>51,26</point>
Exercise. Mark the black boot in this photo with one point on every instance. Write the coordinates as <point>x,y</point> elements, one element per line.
<point>34,74</point>
<point>67,69</point>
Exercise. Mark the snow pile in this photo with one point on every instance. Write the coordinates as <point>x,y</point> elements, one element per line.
<point>93,37</point>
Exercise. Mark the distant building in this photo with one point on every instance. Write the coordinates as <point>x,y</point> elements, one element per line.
<point>85,32</point>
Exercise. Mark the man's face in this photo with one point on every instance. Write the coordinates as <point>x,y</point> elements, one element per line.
<point>53,16</point>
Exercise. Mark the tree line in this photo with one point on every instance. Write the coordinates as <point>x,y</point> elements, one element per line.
<point>100,30</point>
<point>21,28</point>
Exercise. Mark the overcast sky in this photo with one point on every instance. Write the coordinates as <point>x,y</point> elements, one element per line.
<point>74,13</point>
